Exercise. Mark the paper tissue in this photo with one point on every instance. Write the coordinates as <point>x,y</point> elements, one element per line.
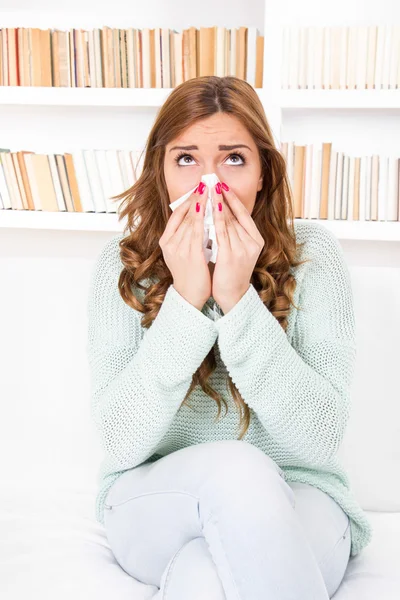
<point>210,179</point>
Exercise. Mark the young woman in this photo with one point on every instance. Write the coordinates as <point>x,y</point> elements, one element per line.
<point>190,504</point>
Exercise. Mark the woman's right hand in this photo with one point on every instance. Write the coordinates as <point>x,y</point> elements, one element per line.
<point>182,247</point>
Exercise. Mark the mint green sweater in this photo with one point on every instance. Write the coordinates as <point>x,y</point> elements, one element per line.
<point>297,383</point>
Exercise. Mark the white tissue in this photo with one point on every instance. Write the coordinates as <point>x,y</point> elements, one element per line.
<point>210,179</point>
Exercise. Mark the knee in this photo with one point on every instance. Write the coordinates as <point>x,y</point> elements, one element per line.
<point>238,459</point>
<point>240,474</point>
<point>191,572</point>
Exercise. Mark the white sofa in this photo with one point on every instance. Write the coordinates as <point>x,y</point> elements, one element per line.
<point>51,546</point>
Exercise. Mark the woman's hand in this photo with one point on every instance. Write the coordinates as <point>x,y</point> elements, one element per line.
<point>182,248</point>
<point>239,246</point>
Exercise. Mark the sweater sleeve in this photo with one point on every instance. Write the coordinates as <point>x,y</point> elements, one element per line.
<point>139,376</point>
<point>300,392</point>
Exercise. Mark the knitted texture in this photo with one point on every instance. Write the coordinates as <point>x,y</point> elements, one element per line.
<point>297,383</point>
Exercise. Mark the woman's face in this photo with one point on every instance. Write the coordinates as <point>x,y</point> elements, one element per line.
<point>203,153</point>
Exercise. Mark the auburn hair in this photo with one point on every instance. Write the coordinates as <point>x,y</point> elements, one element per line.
<point>146,206</point>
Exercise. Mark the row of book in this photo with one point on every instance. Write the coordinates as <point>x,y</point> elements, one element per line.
<point>78,181</point>
<point>354,57</point>
<point>328,183</point>
<point>128,58</point>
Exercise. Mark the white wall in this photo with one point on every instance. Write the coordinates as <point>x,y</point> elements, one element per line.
<point>152,13</point>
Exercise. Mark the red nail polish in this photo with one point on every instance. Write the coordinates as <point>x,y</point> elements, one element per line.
<point>197,206</point>
<point>219,206</point>
<point>218,188</point>
<point>225,186</point>
<point>202,185</point>
<point>196,190</point>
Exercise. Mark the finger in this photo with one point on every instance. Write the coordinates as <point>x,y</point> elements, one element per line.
<point>198,221</point>
<point>178,215</point>
<point>233,225</point>
<point>221,231</point>
<point>191,230</point>
<point>241,214</point>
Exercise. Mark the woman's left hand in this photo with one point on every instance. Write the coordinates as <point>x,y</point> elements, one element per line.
<point>239,246</point>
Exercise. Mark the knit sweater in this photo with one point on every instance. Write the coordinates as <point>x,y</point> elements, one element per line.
<point>297,383</point>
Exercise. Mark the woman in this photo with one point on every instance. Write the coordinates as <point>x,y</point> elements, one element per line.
<point>189,506</point>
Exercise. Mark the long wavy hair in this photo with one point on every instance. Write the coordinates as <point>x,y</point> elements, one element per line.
<point>146,206</point>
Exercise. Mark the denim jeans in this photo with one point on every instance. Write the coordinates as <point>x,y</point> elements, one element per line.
<point>217,521</point>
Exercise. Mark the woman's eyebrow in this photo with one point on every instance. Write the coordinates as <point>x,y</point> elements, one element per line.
<point>220,147</point>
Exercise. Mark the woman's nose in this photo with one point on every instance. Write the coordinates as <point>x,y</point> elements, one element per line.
<point>212,169</point>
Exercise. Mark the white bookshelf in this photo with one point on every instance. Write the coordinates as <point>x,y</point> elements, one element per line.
<point>111,97</point>
<point>30,219</point>
<point>337,99</point>
<point>67,221</point>
<point>107,97</point>
<point>283,106</point>
<point>155,97</point>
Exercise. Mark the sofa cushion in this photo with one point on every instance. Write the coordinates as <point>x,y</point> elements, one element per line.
<point>370,449</point>
<point>51,547</point>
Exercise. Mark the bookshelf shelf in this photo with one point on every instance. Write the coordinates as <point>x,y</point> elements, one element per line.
<point>57,96</point>
<point>69,221</point>
<point>336,99</point>
<point>155,97</point>
<point>28,219</point>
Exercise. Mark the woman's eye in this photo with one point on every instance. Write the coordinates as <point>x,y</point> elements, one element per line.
<point>183,156</point>
<point>188,156</point>
<point>237,156</point>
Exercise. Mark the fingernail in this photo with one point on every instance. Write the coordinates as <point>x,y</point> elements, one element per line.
<point>197,206</point>
<point>218,188</point>
<point>202,185</point>
<point>195,191</point>
<point>219,206</point>
<point>225,186</point>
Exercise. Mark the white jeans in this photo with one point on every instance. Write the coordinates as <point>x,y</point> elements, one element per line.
<point>218,521</point>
